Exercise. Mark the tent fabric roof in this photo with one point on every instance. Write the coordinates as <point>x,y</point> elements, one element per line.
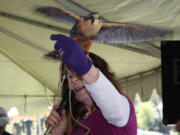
<point>29,81</point>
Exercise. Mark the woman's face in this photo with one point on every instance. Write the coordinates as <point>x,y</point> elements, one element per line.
<point>77,86</point>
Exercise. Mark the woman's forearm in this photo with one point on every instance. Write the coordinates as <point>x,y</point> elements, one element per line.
<point>113,105</point>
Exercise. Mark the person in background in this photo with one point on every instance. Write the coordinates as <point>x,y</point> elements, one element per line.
<point>4,120</point>
<point>178,126</point>
<point>99,108</point>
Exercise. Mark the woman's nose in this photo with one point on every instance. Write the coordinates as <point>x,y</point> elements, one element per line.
<point>74,78</point>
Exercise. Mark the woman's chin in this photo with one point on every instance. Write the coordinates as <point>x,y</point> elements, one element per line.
<point>81,95</point>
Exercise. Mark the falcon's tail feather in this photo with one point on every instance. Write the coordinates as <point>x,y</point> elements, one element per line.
<point>52,55</point>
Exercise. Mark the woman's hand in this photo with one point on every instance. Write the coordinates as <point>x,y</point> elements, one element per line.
<point>72,54</point>
<point>57,122</point>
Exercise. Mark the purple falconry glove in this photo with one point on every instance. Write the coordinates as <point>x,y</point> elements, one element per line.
<point>72,54</point>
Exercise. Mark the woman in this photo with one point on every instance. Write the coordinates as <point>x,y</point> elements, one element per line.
<point>100,108</point>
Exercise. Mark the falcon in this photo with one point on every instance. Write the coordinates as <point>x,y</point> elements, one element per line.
<point>86,29</point>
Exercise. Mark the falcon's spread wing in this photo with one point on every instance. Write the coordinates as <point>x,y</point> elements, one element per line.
<point>59,14</point>
<point>116,33</point>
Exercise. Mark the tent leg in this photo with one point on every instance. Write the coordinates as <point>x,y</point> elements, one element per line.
<point>39,126</point>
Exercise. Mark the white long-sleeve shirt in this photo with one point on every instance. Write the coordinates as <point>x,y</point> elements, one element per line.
<point>113,105</point>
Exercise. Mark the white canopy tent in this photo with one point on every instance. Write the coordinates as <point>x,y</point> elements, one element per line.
<point>29,81</point>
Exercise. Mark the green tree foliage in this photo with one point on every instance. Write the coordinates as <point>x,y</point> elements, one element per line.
<point>145,115</point>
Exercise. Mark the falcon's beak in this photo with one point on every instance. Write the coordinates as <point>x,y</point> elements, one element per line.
<point>96,16</point>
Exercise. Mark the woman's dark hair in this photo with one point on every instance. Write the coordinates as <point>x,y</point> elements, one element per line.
<point>78,109</point>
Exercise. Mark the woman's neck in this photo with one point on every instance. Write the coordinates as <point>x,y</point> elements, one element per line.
<point>89,105</point>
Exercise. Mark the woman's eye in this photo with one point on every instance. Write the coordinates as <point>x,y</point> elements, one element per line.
<point>70,76</point>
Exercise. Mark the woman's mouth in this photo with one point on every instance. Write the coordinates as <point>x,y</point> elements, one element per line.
<point>79,89</point>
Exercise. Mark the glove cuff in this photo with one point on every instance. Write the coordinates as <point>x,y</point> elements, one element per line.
<point>84,68</point>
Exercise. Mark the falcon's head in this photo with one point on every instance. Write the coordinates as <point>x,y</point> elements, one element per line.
<point>93,16</point>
